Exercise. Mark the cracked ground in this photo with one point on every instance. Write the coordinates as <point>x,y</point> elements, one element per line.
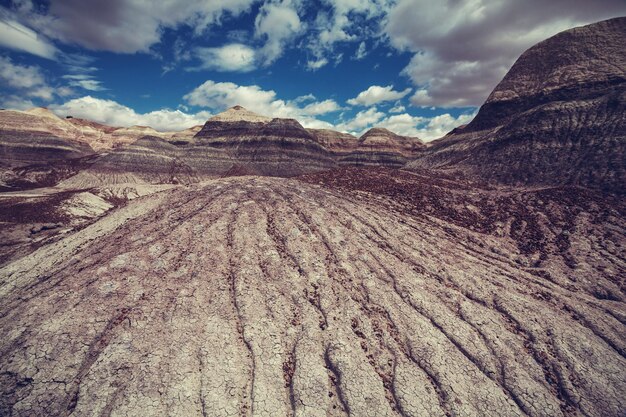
<point>363,294</point>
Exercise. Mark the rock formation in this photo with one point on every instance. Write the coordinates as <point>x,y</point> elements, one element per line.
<point>557,117</point>
<point>380,147</point>
<point>263,146</point>
<point>375,293</point>
<point>336,142</point>
<point>36,137</point>
<point>376,147</point>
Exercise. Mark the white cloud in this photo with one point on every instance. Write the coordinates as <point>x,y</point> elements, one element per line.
<point>361,52</point>
<point>377,94</point>
<point>20,76</point>
<point>15,102</point>
<point>462,49</point>
<point>126,26</point>
<point>362,120</point>
<point>344,21</point>
<point>218,96</point>
<point>25,81</point>
<point>425,128</point>
<point>316,64</point>
<point>232,57</point>
<point>398,108</point>
<point>16,36</point>
<point>278,23</point>
<point>84,81</point>
<point>321,107</point>
<point>115,114</point>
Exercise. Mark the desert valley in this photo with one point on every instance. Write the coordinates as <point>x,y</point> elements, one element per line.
<point>252,266</point>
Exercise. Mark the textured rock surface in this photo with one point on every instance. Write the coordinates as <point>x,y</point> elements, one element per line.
<point>38,149</point>
<point>261,296</point>
<point>380,147</point>
<point>376,147</point>
<point>37,137</point>
<point>336,142</point>
<point>558,117</point>
<point>263,146</point>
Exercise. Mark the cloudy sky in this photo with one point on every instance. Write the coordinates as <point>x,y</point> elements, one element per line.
<point>417,67</point>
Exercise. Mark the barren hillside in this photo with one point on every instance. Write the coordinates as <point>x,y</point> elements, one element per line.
<point>260,296</point>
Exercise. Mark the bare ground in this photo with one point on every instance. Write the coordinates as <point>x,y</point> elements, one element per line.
<point>345,293</point>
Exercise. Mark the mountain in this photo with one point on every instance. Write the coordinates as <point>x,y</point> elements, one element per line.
<point>376,147</point>
<point>38,136</point>
<point>264,146</point>
<point>335,142</point>
<point>557,117</point>
<point>381,147</point>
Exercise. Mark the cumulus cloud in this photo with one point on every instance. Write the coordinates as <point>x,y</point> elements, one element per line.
<point>15,102</point>
<point>25,81</point>
<point>115,114</point>
<point>316,64</point>
<point>278,23</point>
<point>233,57</point>
<point>16,36</point>
<point>218,96</point>
<point>377,94</point>
<point>425,128</point>
<point>362,120</point>
<point>462,49</point>
<point>20,76</point>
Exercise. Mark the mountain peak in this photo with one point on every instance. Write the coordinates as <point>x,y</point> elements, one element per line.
<point>239,114</point>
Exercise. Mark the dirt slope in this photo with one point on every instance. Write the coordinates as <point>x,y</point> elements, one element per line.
<point>274,297</point>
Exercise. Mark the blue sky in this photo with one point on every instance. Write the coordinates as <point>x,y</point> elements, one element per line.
<point>417,67</point>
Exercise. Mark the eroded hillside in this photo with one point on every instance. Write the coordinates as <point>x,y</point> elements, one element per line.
<point>266,296</point>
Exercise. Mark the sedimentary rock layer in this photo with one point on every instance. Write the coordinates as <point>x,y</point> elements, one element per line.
<point>558,116</point>
<point>258,145</point>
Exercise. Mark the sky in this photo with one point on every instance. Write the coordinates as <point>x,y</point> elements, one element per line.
<point>417,67</point>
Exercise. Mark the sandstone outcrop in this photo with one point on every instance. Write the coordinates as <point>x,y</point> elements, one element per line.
<point>381,147</point>
<point>376,147</point>
<point>557,117</point>
<point>263,146</point>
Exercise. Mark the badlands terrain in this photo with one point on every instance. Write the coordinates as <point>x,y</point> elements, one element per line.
<point>251,266</point>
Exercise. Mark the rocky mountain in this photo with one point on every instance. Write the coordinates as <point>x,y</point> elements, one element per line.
<point>381,147</point>
<point>336,142</point>
<point>39,136</point>
<point>557,117</point>
<point>376,147</point>
<point>263,146</point>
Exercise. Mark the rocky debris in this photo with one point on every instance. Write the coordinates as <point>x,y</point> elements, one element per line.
<point>33,218</point>
<point>270,296</point>
<point>558,116</point>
